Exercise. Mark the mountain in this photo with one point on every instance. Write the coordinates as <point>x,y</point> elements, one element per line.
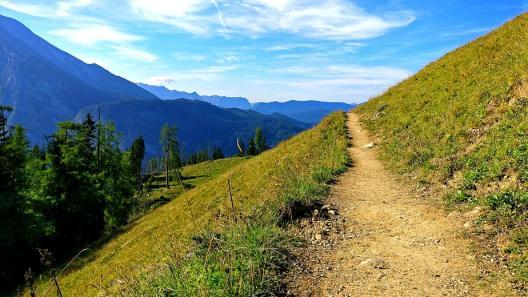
<point>460,126</point>
<point>305,111</point>
<point>46,85</point>
<point>221,101</point>
<point>201,125</point>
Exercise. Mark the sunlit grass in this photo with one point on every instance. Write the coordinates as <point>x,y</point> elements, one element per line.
<point>260,187</point>
<point>462,121</point>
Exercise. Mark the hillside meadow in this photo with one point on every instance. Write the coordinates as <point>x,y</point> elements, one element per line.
<point>162,253</point>
<point>460,125</point>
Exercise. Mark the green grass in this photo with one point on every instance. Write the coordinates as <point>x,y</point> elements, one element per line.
<point>157,255</point>
<point>156,192</point>
<point>462,121</point>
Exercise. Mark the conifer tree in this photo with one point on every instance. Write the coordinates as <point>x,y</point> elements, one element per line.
<point>217,153</point>
<point>252,148</point>
<point>260,141</point>
<point>137,153</point>
<point>169,146</point>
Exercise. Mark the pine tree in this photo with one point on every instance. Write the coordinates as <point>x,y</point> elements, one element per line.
<point>14,219</point>
<point>252,148</point>
<point>217,153</point>
<point>137,153</point>
<point>169,146</point>
<point>76,201</point>
<point>260,141</point>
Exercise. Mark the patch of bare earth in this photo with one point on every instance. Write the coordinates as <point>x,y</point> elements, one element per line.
<point>377,237</point>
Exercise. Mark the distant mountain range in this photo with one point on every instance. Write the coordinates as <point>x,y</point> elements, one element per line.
<point>200,125</point>
<point>220,101</point>
<point>46,85</point>
<point>305,111</point>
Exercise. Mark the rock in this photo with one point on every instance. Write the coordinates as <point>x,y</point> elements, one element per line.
<point>368,145</point>
<point>474,213</point>
<point>374,263</point>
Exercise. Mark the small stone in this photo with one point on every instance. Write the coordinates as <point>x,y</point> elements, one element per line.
<point>368,145</point>
<point>375,263</point>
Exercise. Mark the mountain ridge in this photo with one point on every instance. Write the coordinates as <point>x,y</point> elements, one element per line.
<point>44,89</point>
<point>217,127</point>
<point>308,111</point>
<point>221,101</point>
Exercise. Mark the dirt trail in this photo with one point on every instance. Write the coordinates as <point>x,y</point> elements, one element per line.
<point>388,242</point>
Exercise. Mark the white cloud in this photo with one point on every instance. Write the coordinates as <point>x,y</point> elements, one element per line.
<point>89,35</point>
<point>287,47</point>
<point>134,54</point>
<point>65,8</point>
<point>184,14</point>
<point>358,82</point>
<point>58,9</point>
<point>216,69</point>
<point>30,9</point>
<point>162,80</point>
<point>323,19</point>
<point>208,74</point>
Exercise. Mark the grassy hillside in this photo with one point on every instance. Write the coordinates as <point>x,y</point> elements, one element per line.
<point>462,122</point>
<point>263,188</point>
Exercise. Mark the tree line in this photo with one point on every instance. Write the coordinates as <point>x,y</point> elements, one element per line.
<point>76,188</point>
<point>256,145</point>
<point>63,195</point>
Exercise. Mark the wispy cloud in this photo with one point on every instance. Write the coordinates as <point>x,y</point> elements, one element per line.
<point>207,74</point>
<point>465,32</point>
<point>358,82</point>
<point>134,54</point>
<point>56,9</point>
<point>65,8</point>
<point>289,46</point>
<point>90,35</point>
<point>325,19</point>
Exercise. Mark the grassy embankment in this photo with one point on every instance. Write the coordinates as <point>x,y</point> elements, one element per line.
<point>462,123</point>
<point>192,245</point>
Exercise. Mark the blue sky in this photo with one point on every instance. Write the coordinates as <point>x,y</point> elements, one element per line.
<point>263,49</point>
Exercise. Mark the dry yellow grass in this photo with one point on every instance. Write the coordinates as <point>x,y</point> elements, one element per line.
<point>165,232</point>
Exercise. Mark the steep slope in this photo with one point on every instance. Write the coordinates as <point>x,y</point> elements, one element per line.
<point>200,125</point>
<point>221,101</point>
<point>305,111</point>
<point>460,127</point>
<point>164,235</point>
<point>91,74</point>
<point>46,85</point>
